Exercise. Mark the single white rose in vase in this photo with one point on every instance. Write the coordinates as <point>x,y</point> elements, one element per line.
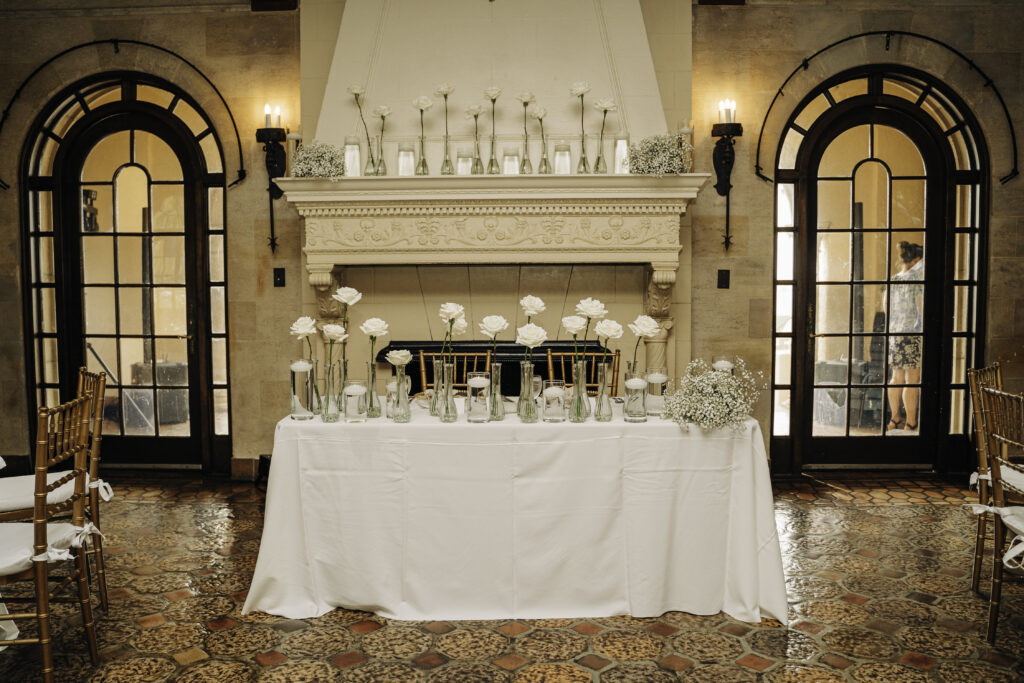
<point>532,305</point>
<point>398,357</point>
<point>531,336</point>
<point>643,327</point>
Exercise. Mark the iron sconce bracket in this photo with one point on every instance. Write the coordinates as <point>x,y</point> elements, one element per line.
<point>277,164</point>
<point>724,158</point>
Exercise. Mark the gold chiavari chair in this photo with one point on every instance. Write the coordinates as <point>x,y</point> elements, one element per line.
<point>465,362</point>
<point>1005,421</point>
<point>560,367</point>
<point>28,549</point>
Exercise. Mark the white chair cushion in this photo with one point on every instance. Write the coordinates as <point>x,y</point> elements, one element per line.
<point>18,493</point>
<point>1012,477</point>
<point>16,539</point>
<point>1013,518</point>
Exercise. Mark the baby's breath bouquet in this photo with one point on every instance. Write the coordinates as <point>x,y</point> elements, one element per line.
<point>661,155</point>
<point>713,399</point>
<point>319,160</point>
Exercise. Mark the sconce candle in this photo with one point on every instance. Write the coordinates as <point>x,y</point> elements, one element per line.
<point>277,115</point>
<point>266,115</point>
<point>727,111</point>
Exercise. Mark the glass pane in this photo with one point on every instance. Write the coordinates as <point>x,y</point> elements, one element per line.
<point>106,157</point>
<point>47,321</point>
<point>168,260</point>
<point>961,154</point>
<point>784,308</point>
<point>784,197</point>
<point>780,418</point>
<point>52,397</point>
<point>216,258</point>
<point>100,310</point>
<point>830,412</point>
<point>43,211</point>
<point>867,410</point>
<point>908,210</point>
<point>220,360</point>
<point>47,150</point>
<point>832,309</point>
<point>956,411</point>
<point>964,206</point>
<point>901,89</point>
<point>131,309</point>
<point>811,112</point>
<point>172,408</point>
<point>217,320</point>
<point>906,307</point>
<point>97,208</point>
<point>156,156</point>
<point>831,362</point>
<point>898,151</point>
<point>833,256</point>
<point>189,117</point>
<point>139,419</point>
<point>172,362</point>
<point>849,89</point>
<point>783,360</point>
<point>869,255</point>
<point>790,147</point>
<point>68,112</point>
<point>215,196</point>
<point>833,204</point>
<point>112,414</point>
<point>959,360</point>
<point>169,311</point>
<point>871,191</point>
<point>103,95</point>
<point>131,189</point>
<point>843,153</point>
<point>211,153</point>
<point>938,112</point>
<point>45,259</point>
<point>960,320</point>
<point>135,368</point>
<point>129,260</point>
<point>168,208</point>
<point>98,260</point>
<point>50,368</point>
<point>868,308</point>
<point>962,259</point>
<point>869,355</point>
<point>101,356</point>
<point>905,353</point>
<point>157,96</point>
<point>220,411</point>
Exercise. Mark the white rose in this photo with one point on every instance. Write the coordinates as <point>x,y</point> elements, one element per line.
<point>609,329</point>
<point>492,93</point>
<point>397,357</point>
<point>525,97</point>
<point>382,110</point>
<point>591,308</point>
<point>422,103</point>
<point>450,311</point>
<point>532,305</point>
<point>460,326</point>
<point>574,324</point>
<point>645,326</point>
<point>444,89</point>
<point>303,327</point>
<point>531,335</point>
<point>492,325</point>
<point>474,110</point>
<point>356,90</point>
<point>538,112</point>
<point>607,104</point>
<point>335,333</point>
<point>347,295</point>
<point>579,88</point>
<point>374,327</point>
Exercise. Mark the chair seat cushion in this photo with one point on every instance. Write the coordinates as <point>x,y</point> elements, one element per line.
<point>16,543</point>
<point>1013,518</point>
<point>18,493</point>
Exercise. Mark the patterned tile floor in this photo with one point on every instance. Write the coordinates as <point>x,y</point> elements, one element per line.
<point>878,575</point>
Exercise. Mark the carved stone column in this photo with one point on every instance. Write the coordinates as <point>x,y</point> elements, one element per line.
<point>657,301</point>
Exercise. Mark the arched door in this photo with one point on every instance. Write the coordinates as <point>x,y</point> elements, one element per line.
<point>137,281</point>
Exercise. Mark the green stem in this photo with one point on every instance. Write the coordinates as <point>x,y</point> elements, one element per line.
<point>604,356</point>
<point>543,140</point>
<point>585,333</point>
<point>526,135</point>
<point>638,338</point>
<point>600,138</point>
<point>316,389</point>
<point>583,133</point>
<point>446,117</point>
<point>369,145</point>
<point>575,349</point>
<point>421,123</point>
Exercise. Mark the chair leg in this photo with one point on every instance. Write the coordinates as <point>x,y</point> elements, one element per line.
<point>997,578</point>
<point>86,604</point>
<point>43,618</point>
<point>979,550</point>
<point>101,577</point>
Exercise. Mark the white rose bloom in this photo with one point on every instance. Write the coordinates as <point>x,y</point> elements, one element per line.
<point>492,325</point>
<point>531,335</point>
<point>525,97</point>
<point>645,326</point>
<point>460,326</point>
<point>532,305</point>
<point>356,89</point>
<point>335,333</point>
<point>397,357</point>
<point>303,327</point>
<point>474,110</point>
<point>579,88</point>
<point>609,329</point>
<point>444,89</point>
<point>347,295</point>
<point>537,112</point>
<point>374,327</point>
<point>492,93</point>
<point>382,111</point>
<point>591,308</point>
<point>422,103</point>
<point>450,311</point>
<point>574,324</point>
<point>607,104</point>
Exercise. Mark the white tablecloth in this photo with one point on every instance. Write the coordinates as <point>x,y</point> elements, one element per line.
<point>503,520</point>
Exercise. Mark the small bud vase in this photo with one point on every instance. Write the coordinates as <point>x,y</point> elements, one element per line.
<point>447,408</point>
<point>435,400</point>
<point>497,402</point>
<point>603,402</point>
<point>400,412</point>
<point>635,409</point>
<point>421,165</point>
<point>329,410</point>
<point>493,168</point>
<point>303,375</point>
<point>584,165</point>
<point>579,406</point>
<point>544,166</point>
<point>526,408</point>
<point>371,167</point>
<point>478,165</point>
<point>372,402</point>
<point>447,168</point>
<point>342,380</point>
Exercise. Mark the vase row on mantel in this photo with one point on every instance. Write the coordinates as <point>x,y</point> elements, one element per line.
<point>506,158</point>
<point>333,396</point>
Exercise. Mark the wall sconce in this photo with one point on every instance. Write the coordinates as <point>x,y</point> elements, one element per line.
<point>277,162</point>
<point>724,155</point>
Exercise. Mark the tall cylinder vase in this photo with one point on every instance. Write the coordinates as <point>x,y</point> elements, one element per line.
<point>603,401</point>
<point>497,402</point>
<point>579,406</point>
<point>329,409</point>
<point>527,405</point>
<point>400,412</point>
<point>635,409</point>
<point>435,400</point>
<point>303,375</point>
<point>372,402</point>
<point>448,412</point>
<point>342,379</point>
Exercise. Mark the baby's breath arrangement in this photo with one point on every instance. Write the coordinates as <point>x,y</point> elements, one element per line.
<point>319,160</point>
<point>713,399</point>
<point>661,155</point>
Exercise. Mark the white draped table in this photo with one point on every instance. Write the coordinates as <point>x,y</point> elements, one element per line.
<point>428,521</point>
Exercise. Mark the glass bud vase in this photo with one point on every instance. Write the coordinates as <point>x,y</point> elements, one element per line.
<point>435,399</point>
<point>329,411</point>
<point>526,166</point>
<point>421,165</point>
<point>579,406</point>
<point>635,409</point>
<point>371,166</point>
<point>447,168</point>
<point>447,408</point>
<point>497,402</point>
<point>603,402</point>
<point>382,168</point>
<point>478,165</point>
<point>372,402</point>
<point>527,405</point>
<point>340,386</point>
<point>303,374</point>
<point>400,412</point>
<point>584,165</point>
<point>599,164</point>
<point>544,166</point>
<point>493,167</point>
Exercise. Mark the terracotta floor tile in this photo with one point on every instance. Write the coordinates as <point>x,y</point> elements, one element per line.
<point>752,661</point>
<point>587,628</point>
<point>511,662</point>
<point>348,659</point>
<point>193,654</point>
<point>917,660</point>
<point>365,627</point>
<point>152,621</point>
<point>513,628</point>
<point>594,662</point>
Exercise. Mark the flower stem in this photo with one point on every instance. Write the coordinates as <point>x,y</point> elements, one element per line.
<point>446,116</point>
<point>582,132</point>
<point>316,389</point>
<point>634,351</point>
<point>600,139</point>
<point>369,145</point>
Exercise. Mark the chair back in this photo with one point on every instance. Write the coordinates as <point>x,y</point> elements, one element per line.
<point>465,362</point>
<point>1005,421</point>
<point>989,377</point>
<point>560,367</point>
<point>62,433</point>
<point>94,384</point>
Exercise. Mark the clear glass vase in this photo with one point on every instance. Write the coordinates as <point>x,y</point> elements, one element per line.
<point>400,412</point>
<point>435,399</point>
<point>635,409</point>
<point>372,402</point>
<point>329,410</point>
<point>446,408</point>
<point>447,168</point>
<point>421,165</point>
<point>493,167</point>
<point>599,164</point>
<point>526,408</point>
<point>371,164</point>
<point>603,402</point>
<point>584,165</point>
<point>544,166</point>
<point>497,402</point>
<point>526,166</point>
<point>478,163</point>
<point>303,375</point>
<point>342,380</point>
<point>579,406</point>
<point>382,168</point>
